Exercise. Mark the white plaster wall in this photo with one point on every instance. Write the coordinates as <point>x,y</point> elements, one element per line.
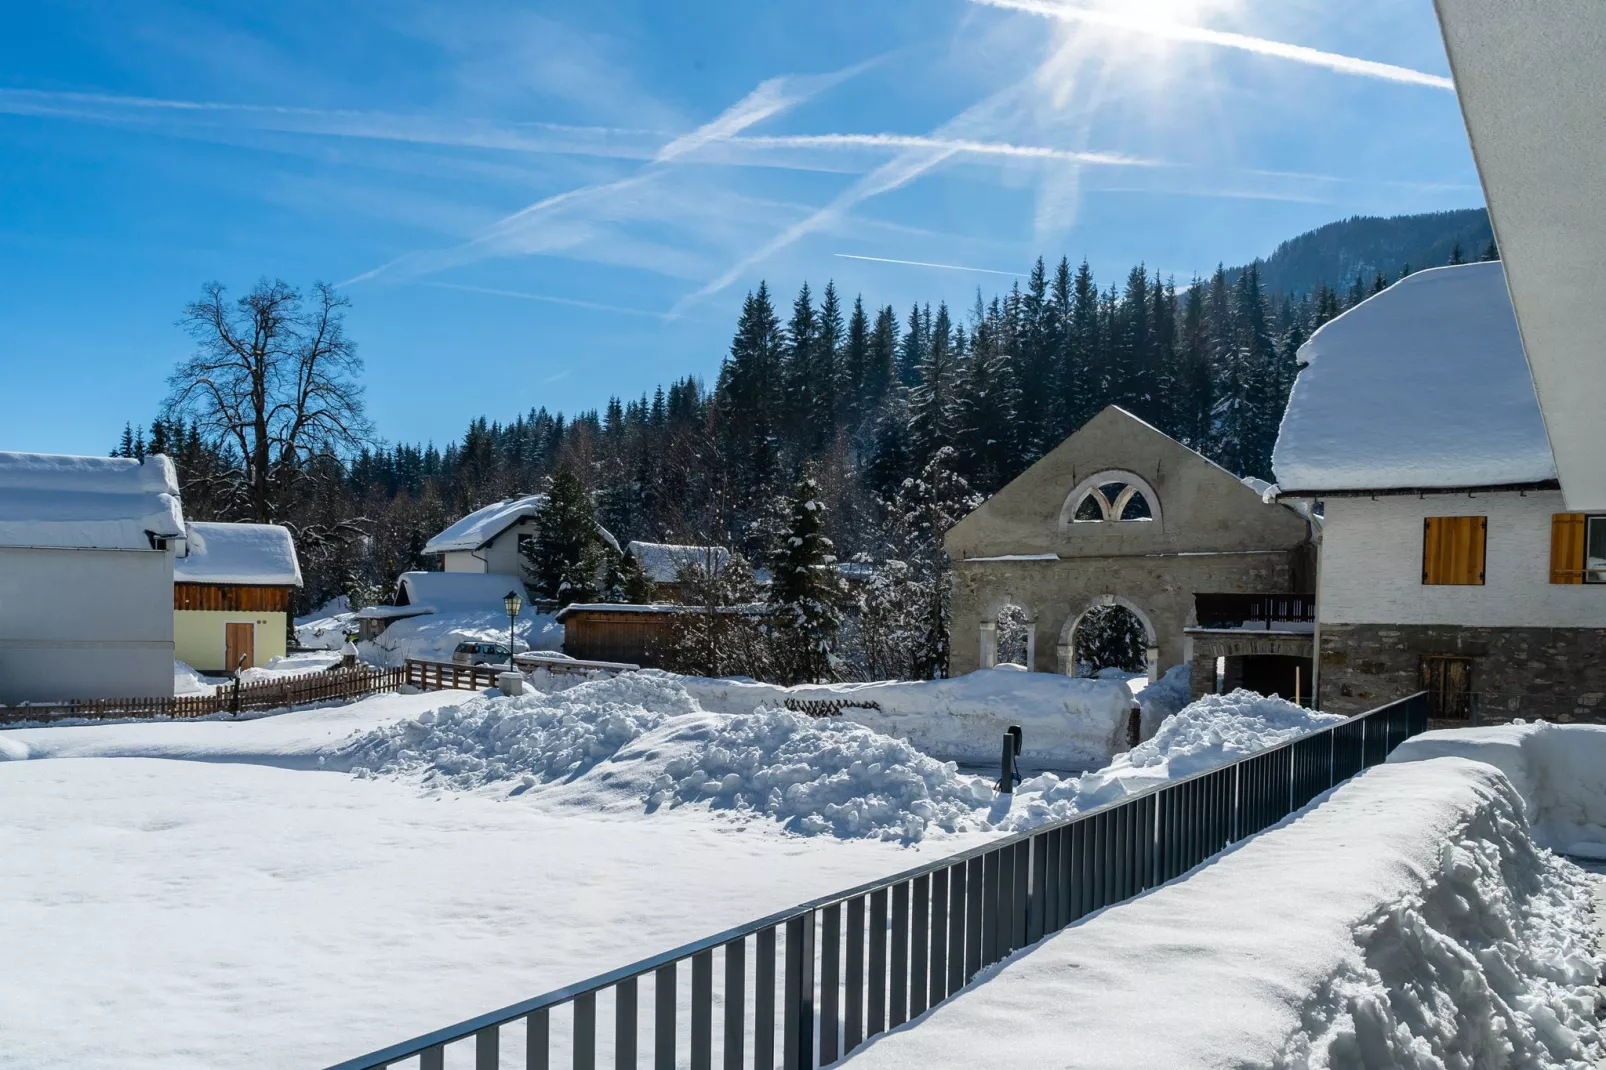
<point>502,553</point>
<point>1372,565</point>
<point>85,624</point>
<point>462,561</point>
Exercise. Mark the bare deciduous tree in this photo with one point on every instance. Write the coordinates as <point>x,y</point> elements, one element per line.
<point>274,376</point>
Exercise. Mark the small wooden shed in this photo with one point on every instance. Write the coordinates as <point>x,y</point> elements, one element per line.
<point>612,632</point>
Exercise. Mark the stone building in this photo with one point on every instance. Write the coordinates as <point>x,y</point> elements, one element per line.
<point>1448,559</point>
<point>1121,514</point>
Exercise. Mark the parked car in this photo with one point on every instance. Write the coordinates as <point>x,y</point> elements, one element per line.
<point>480,654</point>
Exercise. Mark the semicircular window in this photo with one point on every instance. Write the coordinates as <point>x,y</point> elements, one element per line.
<point>1112,501</point>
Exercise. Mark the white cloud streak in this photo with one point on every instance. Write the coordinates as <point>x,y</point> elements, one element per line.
<point>946,144</point>
<point>571,302</point>
<point>1175,31</point>
<point>928,264</point>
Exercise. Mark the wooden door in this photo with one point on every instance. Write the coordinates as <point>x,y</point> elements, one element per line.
<point>1448,682</point>
<point>239,641</point>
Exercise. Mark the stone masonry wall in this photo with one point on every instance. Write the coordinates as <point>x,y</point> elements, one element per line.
<point>1558,674</point>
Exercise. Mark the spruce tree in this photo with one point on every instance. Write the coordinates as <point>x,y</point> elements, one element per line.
<point>566,559</point>
<point>1457,256</point>
<point>854,370</point>
<point>931,401</point>
<point>824,371</point>
<point>1490,251</point>
<point>805,588</point>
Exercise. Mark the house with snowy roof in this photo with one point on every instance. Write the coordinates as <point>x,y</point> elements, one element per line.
<point>232,585</point>
<point>494,538</point>
<point>1448,559</point>
<point>662,562</point>
<point>86,576</point>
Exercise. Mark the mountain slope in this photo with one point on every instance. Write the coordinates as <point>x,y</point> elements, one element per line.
<point>1364,245</point>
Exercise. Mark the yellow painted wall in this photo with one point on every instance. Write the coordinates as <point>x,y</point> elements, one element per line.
<point>198,637</point>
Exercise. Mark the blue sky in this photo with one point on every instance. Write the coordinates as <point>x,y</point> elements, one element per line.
<point>540,204</point>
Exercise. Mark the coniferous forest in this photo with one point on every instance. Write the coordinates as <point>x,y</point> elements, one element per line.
<point>895,422</point>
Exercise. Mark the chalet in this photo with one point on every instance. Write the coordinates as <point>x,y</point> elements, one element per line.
<point>1120,514</point>
<point>86,576</point>
<point>494,539</point>
<point>1448,558</point>
<point>232,585</point>
<point>472,600</point>
<point>663,562</point>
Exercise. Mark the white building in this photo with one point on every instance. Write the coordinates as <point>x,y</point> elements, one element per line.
<point>86,576</point>
<point>493,539</point>
<point>1448,558</point>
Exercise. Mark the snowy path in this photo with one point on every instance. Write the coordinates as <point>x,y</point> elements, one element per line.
<point>190,914</point>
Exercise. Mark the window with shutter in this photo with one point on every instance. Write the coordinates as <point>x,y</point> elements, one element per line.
<point>1453,549</point>
<point>1577,548</point>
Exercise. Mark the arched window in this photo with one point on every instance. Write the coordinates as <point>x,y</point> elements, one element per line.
<point>1110,497</point>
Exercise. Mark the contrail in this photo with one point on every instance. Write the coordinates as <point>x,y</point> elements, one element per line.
<point>1174,31</point>
<point>594,306</point>
<point>925,264</point>
<point>915,141</point>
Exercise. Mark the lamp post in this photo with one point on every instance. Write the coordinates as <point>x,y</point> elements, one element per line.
<point>512,603</point>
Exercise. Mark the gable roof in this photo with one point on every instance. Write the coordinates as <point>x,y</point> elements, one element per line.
<point>257,554</point>
<point>1424,385</point>
<point>455,592</point>
<point>661,561</point>
<point>112,503</point>
<point>482,525</point>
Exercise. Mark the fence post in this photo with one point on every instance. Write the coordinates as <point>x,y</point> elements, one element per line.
<point>798,1049</point>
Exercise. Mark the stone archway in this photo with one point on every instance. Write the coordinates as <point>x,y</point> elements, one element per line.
<point>1024,618</point>
<point>1065,650</point>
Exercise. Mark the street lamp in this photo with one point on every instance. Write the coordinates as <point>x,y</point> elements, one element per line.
<point>512,603</point>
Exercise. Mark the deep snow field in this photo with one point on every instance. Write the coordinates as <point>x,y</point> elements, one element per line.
<point>303,887</point>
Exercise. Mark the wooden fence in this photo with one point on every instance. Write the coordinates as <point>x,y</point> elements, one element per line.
<point>445,676</point>
<point>306,690</point>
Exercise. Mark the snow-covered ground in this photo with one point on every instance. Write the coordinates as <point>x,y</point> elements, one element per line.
<point>1407,920</point>
<point>326,627</point>
<point>433,636</point>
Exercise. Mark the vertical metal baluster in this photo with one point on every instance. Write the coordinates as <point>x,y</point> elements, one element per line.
<point>937,960</point>
<point>830,980</point>
<point>585,1032</point>
<point>1067,877</point>
<point>1101,860</point>
<point>957,912</point>
<point>1078,851</point>
<point>1051,881</point>
<point>797,1014</point>
<point>1123,852</point>
<point>1006,902</point>
<point>433,1058</point>
<point>898,1013</point>
<point>702,1011</point>
<point>876,1004</point>
<point>1038,907</point>
<point>537,1034</point>
<point>974,917</point>
<point>735,1002</point>
<point>1022,889</point>
<point>663,1034</point>
<point>919,964</point>
<point>764,1001</point>
<point>624,1024</point>
<point>853,1020</point>
<point>988,916</point>
<point>487,1048</point>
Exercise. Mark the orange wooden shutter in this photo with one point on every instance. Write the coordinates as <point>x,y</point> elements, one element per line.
<point>1567,547</point>
<point>1453,549</point>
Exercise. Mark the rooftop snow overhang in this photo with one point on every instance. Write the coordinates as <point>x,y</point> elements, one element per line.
<point>1531,79</point>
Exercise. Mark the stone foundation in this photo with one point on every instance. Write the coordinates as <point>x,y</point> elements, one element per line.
<point>1558,674</point>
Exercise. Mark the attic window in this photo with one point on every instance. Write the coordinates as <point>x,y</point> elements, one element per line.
<point>1112,501</point>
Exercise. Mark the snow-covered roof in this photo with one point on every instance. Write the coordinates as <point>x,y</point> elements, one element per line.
<point>1422,385</point>
<point>449,592</point>
<point>482,525</point>
<point>113,503</point>
<point>661,560</point>
<point>238,553</point>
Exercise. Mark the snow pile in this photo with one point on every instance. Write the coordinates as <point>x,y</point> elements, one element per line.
<point>1407,921</point>
<point>186,681</point>
<point>284,666</point>
<point>1068,723</point>
<point>326,627</point>
<point>1213,731</point>
<point>530,738</point>
<point>1556,769</point>
<point>116,503</point>
<point>433,636</point>
<point>642,740</point>
<point>1164,697</point>
<point>263,554</point>
<point>819,775</point>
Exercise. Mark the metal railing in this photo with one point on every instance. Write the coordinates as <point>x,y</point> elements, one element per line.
<point>1233,609</point>
<point>820,979</point>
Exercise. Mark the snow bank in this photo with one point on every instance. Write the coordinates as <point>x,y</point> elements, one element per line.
<point>186,681</point>
<point>643,741</point>
<point>1068,723</point>
<point>326,627</point>
<point>285,666</point>
<point>1213,731</point>
<point>1556,768</point>
<point>1165,696</point>
<point>1407,921</point>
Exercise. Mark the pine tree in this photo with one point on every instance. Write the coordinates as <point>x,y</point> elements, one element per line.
<point>1380,282</point>
<point>1195,383</point>
<point>824,371</point>
<point>881,370</point>
<point>1490,251</point>
<point>854,372</point>
<point>1457,256</point>
<point>931,401</point>
<point>919,515</point>
<point>805,588</point>
<point>567,557</point>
